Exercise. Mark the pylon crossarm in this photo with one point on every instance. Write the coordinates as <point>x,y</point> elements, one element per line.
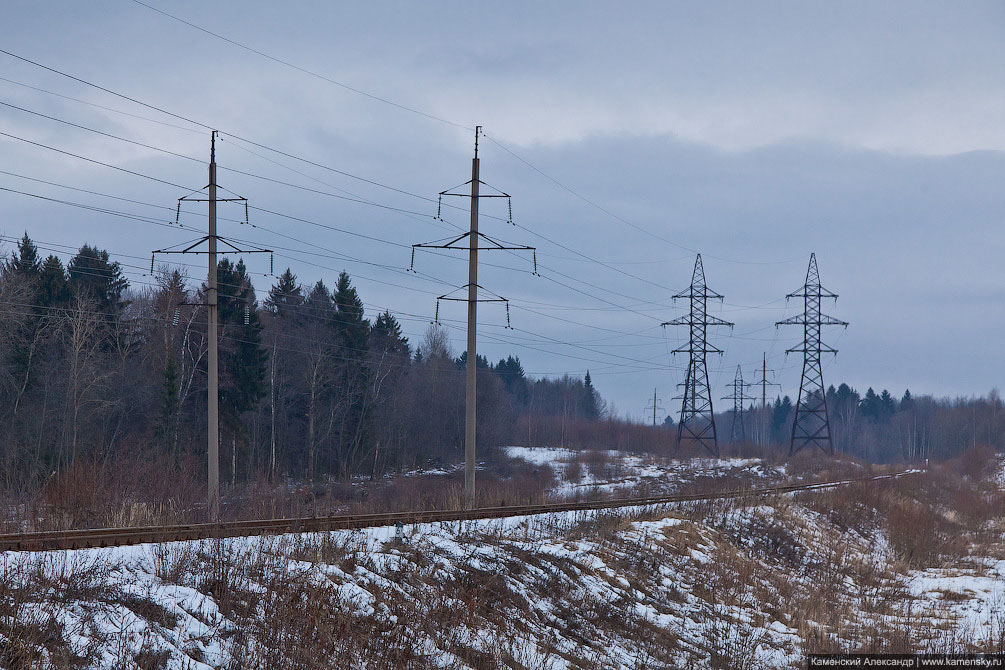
<point>716,321</point>
<point>702,293</point>
<point>831,321</point>
<point>811,291</point>
<point>798,320</point>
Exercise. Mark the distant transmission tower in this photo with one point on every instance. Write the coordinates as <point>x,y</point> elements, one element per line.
<point>737,433</point>
<point>762,435</point>
<point>472,242</point>
<point>657,404</point>
<point>811,424</point>
<point>697,421</point>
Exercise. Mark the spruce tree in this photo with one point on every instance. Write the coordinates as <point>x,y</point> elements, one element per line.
<point>887,405</point>
<point>318,305</point>
<point>53,287</point>
<point>168,403</point>
<point>869,406</point>
<point>351,327</point>
<point>907,402</point>
<point>780,416</point>
<point>513,377</point>
<point>386,337</point>
<point>352,333</point>
<point>26,263</point>
<point>591,405</point>
<point>244,359</point>
<point>286,296</point>
<point>92,275</point>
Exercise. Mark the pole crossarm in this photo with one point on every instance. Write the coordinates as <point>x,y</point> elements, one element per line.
<point>500,194</point>
<point>496,246</point>
<point>473,236</point>
<point>475,242</point>
<point>212,304</point>
<point>191,249</point>
<point>448,296</point>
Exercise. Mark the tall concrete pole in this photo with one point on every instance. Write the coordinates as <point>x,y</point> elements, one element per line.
<point>213,413</point>
<point>764,399</point>
<point>472,352</point>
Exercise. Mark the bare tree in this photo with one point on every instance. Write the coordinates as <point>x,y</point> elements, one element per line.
<point>82,331</point>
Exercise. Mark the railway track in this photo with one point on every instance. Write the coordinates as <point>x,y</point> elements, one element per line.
<point>113,537</point>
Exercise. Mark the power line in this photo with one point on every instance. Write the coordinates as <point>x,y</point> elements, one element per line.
<point>306,71</point>
<point>358,200</point>
<point>616,216</point>
<point>638,362</point>
<point>167,224</point>
<point>97,106</point>
<point>95,161</point>
<point>401,210</point>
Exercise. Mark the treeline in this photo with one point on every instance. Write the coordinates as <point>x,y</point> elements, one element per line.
<point>310,385</point>
<point>313,388</point>
<point>879,428</point>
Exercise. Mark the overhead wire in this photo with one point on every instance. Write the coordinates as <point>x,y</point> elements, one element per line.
<point>358,200</point>
<point>319,165</point>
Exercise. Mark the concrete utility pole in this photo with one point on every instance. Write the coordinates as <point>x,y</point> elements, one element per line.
<point>212,304</point>
<point>471,367</point>
<point>213,392</point>
<point>470,388</point>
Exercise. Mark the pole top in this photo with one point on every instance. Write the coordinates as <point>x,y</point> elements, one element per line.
<point>478,131</point>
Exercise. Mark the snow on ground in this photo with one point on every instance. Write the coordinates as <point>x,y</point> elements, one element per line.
<point>973,597</point>
<point>645,587</point>
<point>198,634</point>
<point>608,471</point>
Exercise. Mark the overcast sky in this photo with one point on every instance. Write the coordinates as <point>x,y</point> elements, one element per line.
<point>630,135</point>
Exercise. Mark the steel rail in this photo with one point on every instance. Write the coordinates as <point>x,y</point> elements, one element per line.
<point>93,538</point>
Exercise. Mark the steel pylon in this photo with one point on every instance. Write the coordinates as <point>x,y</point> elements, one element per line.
<point>812,423</point>
<point>697,420</point>
<point>736,432</point>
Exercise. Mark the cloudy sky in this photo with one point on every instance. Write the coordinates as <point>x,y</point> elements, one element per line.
<point>630,135</point>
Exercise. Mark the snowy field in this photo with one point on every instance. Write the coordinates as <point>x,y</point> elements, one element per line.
<point>642,588</point>
<point>607,472</point>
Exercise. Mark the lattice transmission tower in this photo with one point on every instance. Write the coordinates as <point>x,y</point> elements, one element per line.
<point>697,421</point>
<point>657,404</point>
<point>736,432</point>
<point>812,424</point>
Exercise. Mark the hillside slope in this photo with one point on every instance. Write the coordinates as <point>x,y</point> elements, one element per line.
<point>915,564</point>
